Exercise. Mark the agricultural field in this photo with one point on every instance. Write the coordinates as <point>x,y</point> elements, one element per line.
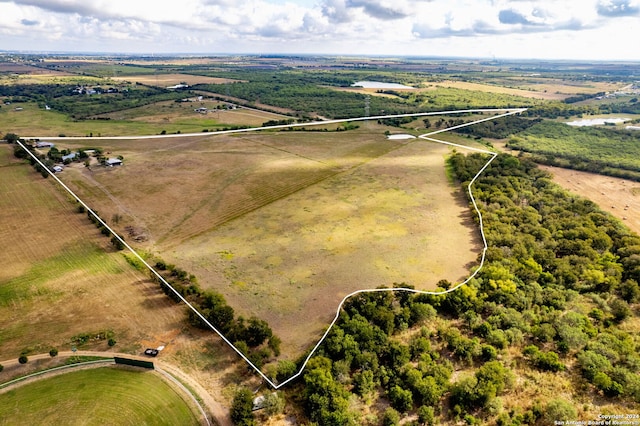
<point>166,80</point>
<point>61,285</point>
<point>106,395</point>
<point>172,117</point>
<point>549,84</point>
<point>531,92</point>
<point>181,115</point>
<point>275,221</point>
<point>284,224</point>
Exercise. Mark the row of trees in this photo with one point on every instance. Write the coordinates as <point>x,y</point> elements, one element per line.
<point>253,336</point>
<point>61,97</point>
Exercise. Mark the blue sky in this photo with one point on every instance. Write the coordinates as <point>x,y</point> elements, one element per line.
<point>536,29</point>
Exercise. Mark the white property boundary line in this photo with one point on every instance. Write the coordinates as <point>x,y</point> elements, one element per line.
<point>506,112</point>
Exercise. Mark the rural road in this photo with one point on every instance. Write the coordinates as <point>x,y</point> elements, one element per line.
<point>213,407</point>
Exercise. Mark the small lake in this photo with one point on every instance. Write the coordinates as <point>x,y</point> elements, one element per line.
<point>380,85</point>
<point>597,121</point>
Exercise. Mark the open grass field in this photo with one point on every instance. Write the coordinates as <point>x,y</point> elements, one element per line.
<point>286,224</point>
<point>530,93</point>
<point>556,85</point>
<point>166,80</point>
<point>182,114</point>
<point>60,278</point>
<point>147,120</point>
<point>107,395</point>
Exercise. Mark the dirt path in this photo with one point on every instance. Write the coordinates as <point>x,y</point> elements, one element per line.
<point>219,413</point>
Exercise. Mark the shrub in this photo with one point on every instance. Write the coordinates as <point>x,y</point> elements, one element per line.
<point>53,352</point>
<point>23,359</point>
<point>426,415</point>
<point>273,403</point>
<point>1,368</point>
<point>391,417</point>
<point>559,410</point>
<point>111,342</point>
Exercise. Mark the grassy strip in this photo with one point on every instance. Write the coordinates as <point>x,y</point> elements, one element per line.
<point>100,396</point>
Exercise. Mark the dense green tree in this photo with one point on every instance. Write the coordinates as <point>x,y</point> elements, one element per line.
<point>400,399</point>
<point>241,408</point>
<point>11,138</point>
<point>363,382</point>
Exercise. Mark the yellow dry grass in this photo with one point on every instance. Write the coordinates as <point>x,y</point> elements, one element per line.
<point>534,92</point>
<point>60,278</point>
<point>287,224</point>
<point>165,80</point>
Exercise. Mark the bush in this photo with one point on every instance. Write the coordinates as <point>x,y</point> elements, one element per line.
<point>23,359</point>
<point>426,415</point>
<point>559,410</point>
<point>1,368</point>
<point>273,404</point>
<point>241,408</point>
<point>391,417</point>
<point>111,342</point>
<point>53,352</point>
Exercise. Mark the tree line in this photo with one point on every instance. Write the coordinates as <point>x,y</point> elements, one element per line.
<point>557,295</point>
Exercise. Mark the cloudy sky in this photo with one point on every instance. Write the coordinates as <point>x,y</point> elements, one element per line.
<point>554,29</point>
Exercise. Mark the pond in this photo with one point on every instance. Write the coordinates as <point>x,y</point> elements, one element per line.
<point>379,85</point>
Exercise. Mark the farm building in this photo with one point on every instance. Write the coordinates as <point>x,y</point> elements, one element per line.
<point>69,156</point>
<point>57,169</point>
<point>113,162</point>
<point>44,145</point>
<point>178,86</point>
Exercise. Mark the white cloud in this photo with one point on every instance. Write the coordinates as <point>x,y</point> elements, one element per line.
<point>428,27</point>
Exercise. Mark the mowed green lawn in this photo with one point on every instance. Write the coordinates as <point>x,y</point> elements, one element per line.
<point>102,396</point>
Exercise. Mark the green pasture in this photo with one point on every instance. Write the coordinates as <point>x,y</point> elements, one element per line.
<point>35,121</point>
<point>78,255</point>
<point>98,396</point>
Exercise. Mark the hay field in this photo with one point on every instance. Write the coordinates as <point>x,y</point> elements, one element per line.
<point>147,120</point>
<point>59,277</point>
<point>165,80</point>
<point>107,395</point>
<point>558,86</point>
<point>182,114</point>
<point>533,92</point>
<point>286,224</point>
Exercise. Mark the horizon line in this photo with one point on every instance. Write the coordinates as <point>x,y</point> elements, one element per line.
<point>303,54</point>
